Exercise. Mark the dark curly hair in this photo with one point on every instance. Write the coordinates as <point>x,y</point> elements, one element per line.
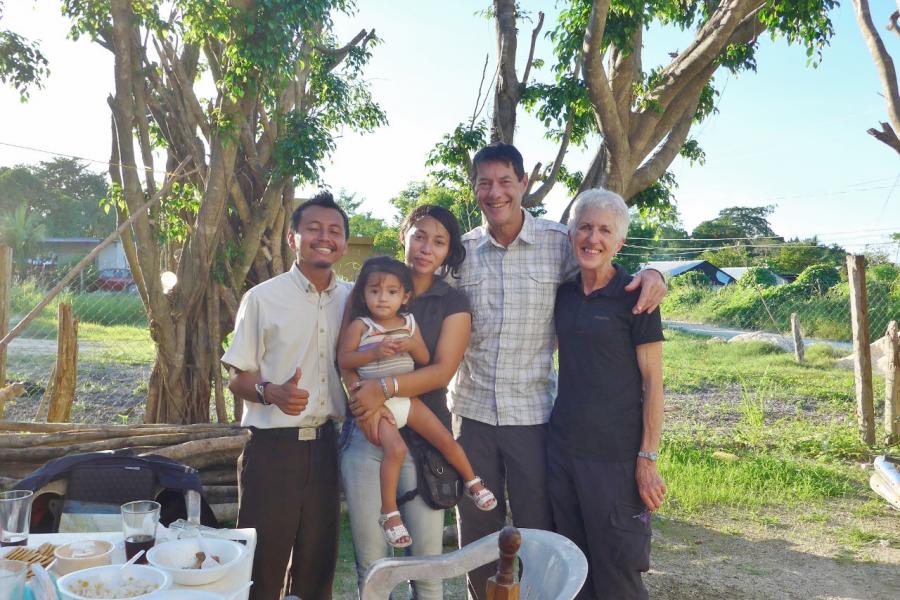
<point>456,251</point>
<point>387,266</point>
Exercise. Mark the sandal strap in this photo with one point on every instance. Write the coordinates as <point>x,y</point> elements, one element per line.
<point>385,516</point>
<point>474,481</point>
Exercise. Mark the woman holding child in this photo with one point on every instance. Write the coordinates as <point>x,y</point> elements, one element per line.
<point>606,422</point>
<point>442,318</point>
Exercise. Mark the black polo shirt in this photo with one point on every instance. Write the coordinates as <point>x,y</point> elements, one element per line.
<point>599,408</point>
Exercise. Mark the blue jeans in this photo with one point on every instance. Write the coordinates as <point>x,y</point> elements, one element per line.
<point>360,468</point>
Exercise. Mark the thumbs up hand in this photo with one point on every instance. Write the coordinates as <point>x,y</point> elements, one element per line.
<point>289,397</point>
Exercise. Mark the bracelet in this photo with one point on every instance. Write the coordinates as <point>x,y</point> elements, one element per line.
<point>396,387</point>
<point>384,389</point>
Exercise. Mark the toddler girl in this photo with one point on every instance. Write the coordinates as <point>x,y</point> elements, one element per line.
<point>382,341</point>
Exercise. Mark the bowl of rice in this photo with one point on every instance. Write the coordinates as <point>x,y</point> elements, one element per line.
<point>197,560</point>
<point>113,583</point>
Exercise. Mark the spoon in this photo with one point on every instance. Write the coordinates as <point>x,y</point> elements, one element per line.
<point>239,591</point>
<point>131,561</point>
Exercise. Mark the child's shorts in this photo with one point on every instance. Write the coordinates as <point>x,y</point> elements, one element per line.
<point>399,407</point>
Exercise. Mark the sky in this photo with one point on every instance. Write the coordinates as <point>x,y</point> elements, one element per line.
<point>789,135</point>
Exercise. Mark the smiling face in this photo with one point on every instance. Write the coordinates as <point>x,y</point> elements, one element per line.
<point>499,193</point>
<point>427,245</point>
<point>595,239</point>
<point>320,240</point>
<point>384,295</point>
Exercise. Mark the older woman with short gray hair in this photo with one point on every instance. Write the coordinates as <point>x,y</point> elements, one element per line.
<point>606,423</point>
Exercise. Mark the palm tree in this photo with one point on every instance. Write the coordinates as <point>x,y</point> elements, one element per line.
<point>22,231</point>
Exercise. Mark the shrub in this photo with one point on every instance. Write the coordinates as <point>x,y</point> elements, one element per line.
<point>691,278</point>
<point>883,273</point>
<point>818,279</point>
<point>757,277</point>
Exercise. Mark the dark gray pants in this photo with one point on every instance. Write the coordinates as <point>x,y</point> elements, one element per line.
<point>597,506</point>
<point>289,493</point>
<point>509,458</point>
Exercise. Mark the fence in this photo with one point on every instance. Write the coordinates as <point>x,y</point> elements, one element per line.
<point>115,353</point>
<point>820,297</point>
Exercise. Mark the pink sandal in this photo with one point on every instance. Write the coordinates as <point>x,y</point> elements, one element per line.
<point>393,535</point>
<point>484,499</point>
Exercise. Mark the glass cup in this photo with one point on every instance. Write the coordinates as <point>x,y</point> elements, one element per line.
<point>15,517</point>
<point>12,579</point>
<point>139,520</point>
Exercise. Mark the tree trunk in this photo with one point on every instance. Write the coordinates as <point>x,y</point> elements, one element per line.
<point>180,389</point>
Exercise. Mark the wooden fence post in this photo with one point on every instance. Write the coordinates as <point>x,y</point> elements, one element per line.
<point>892,386</point>
<point>798,338</point>
<point>862,356</point>
<point>503,585</point>
<point>5,299</point>
<point>64,376</point>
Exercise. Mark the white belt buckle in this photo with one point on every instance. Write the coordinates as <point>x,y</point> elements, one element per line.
<point>305,434</point>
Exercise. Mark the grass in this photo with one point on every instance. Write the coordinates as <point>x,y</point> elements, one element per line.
<point>698,481</point>
<point>692,364</point>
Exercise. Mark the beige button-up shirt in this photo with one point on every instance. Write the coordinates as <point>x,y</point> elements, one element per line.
<point>282,324</point>
<point>507,375</point>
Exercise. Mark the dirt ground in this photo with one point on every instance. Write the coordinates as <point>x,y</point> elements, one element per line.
<point>727,554</point>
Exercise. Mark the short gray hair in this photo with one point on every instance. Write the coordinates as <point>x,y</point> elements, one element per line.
<point>601,199</point>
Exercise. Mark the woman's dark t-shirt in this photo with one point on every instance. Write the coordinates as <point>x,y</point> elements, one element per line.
<point>598,412</point>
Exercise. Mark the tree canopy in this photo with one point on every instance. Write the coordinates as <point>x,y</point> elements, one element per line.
<point>599,92</point>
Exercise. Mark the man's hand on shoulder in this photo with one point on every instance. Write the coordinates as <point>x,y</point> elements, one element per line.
<point>653,290</point>
<point>289,397</point>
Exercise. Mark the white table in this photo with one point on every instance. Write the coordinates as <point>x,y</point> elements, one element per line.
<point>232,580</point>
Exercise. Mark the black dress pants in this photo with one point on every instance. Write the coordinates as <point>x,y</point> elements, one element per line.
<point>597,506</point>
<point>288,492</point>
<point>509,458</point>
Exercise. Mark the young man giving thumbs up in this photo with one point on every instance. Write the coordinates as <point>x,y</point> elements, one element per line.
<point>282,365</point>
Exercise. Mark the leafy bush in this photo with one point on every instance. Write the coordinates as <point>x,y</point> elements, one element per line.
<point>691,278</point>
<point>757,277</point>
<point>818,279</point>
<point>883,273</point>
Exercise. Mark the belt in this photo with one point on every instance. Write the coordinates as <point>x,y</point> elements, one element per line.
<point>303,434</point>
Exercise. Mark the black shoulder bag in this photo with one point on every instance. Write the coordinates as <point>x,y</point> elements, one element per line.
<point>438,482</point>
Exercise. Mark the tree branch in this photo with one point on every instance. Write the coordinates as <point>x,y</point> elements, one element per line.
<point>534,36</point>
<point>625,66</point>
<point>534,199</point>
<point>886,135</point>
<point>653,169</point>
<point>601,96</point>
<point>886,71</point>
<point>507,90</point>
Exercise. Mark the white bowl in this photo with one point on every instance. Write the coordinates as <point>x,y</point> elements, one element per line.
<point>108,576</point>
<point>82,554</point>
<point>174,557</point>
<point>187,595</point>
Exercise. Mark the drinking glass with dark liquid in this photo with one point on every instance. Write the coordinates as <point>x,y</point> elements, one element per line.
<point>15,517</point>
<point>139,520</point>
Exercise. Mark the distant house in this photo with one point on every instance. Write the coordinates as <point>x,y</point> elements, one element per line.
<point>738,272</point>
<point>69,250</point>
<point>674,268</point>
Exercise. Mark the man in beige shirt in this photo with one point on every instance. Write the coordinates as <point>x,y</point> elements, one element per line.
<point>282,365</point>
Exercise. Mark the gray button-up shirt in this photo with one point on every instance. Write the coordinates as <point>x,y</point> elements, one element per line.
<point>507,375</point>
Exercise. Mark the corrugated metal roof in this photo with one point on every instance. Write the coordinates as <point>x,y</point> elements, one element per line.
<point>672,268</point>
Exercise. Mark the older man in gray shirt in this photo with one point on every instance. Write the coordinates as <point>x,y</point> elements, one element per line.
<point>503,392</point>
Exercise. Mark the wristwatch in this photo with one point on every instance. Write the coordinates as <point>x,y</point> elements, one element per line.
<point>261,393</point>
<point>649,455</point>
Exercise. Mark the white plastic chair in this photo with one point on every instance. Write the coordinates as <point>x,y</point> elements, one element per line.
<point>553,568</point>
